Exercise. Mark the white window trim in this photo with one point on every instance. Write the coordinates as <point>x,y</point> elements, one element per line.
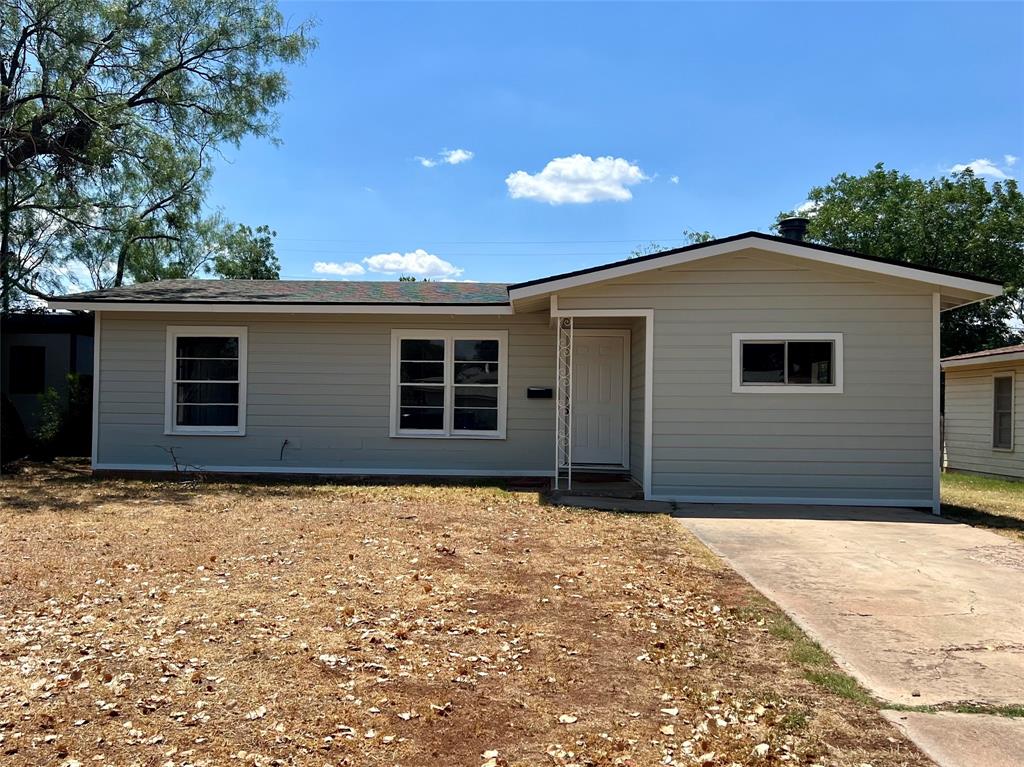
<point>738,387</point>
<point>1013,410</point>
<point>173,332</point>
<point>449,337</point>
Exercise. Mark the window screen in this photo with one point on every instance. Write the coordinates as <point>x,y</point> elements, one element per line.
<point>1002,412</point>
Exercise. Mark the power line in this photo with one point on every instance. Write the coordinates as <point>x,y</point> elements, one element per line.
<point>492,242</point>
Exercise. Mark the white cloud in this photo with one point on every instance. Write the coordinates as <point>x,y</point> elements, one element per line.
<point>347,269</point>
<point>982,167</point>
<point>577,179</point>
<point>673,179</point>
<point>446,156</point>
<point>1010,160</point>
<point>418,263</point>
<point>455,156</point>
<point>808,208</point>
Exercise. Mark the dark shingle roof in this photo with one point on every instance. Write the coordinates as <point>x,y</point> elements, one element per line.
<point>325,292</point>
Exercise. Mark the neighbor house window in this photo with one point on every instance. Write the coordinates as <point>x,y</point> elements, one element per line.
<point>448,383</point>
<point>27,369</point>
<point>206,380</point>
<point>1002,412</point>
<point>787,362</point>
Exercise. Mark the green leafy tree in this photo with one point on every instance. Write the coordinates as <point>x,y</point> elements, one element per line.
<point>958,223</point>
<point>108,111</point>
<point>691,236</point>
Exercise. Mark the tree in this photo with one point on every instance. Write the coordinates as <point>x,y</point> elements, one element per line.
<point>108,112</point>
<point>958,223</point>
<point>691,236</point>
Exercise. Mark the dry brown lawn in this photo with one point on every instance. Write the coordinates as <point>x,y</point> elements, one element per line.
<point>164,623</point>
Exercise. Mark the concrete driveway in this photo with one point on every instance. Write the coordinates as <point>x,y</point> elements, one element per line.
<point>918,609</point>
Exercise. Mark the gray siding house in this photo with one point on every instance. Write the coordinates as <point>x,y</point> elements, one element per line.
<point>982,422</point>
<point>750,369</point>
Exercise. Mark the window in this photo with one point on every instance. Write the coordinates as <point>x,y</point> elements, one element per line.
<point>448,383</point>
<point>1002,412</point>
<point>27,369</point>
<point>787,362</point>
<point>206,380</point>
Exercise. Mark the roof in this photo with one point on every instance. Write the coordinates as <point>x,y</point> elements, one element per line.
<point>299,292</point>
<point>954,288</point>
<point>986,357</point>
<point>986,353</point>
<point>957,281</point>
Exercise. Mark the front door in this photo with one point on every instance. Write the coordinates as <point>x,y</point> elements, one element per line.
<point>598,404</point>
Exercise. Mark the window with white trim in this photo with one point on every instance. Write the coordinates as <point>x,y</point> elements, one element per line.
<point>448,383</point>
<point>1002,411</point>
<point>206,380</point>
<point>793,362</point>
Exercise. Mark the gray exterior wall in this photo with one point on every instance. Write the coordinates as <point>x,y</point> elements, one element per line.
<point>967,428</point>
<point>322,383</point>
<point>871,443</point>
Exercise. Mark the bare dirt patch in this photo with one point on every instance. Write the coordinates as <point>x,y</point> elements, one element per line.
<point>175,624</point>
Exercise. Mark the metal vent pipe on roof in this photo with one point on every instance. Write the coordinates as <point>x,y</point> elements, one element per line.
<point>794,228</point>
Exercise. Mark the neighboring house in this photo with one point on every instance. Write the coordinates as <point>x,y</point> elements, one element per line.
<point>981,423</point>
<point>38,351</point>
<point>747,369</point>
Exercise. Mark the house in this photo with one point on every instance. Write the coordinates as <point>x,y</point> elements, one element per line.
<point>981,418</point>
<point>38,353</point>
<point>747,369</point>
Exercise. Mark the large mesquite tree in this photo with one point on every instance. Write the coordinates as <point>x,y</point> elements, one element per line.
<point>108,113</point>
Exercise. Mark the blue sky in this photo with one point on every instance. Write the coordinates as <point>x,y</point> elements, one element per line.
<point>712,117</point>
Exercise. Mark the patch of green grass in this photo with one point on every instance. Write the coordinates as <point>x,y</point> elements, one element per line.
<point>843,685</point>
<point>988,502</point>
<point>961,708</point>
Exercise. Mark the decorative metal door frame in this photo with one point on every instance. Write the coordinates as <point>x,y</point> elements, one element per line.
<point>563,404</point>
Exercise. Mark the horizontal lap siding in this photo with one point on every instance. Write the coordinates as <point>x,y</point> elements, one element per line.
<point>968,422</point>
<point>873,442</point>
<point>322,383</point>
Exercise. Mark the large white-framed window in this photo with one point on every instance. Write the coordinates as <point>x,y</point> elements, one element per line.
<point>449,383</point>
<point>205,384</point>
<point>1002,411</point>
<point>787,363</point>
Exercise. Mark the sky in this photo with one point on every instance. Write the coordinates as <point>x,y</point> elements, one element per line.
<point>504,142</point>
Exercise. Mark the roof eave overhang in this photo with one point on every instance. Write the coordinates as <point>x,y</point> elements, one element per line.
<point>955,290</point>
<point>282,308</point>
<point>989,360</point>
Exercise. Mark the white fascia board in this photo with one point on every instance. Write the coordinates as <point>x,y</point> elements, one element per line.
<point>984,289</point>
<point>986,361</point>
<point>256,308</point>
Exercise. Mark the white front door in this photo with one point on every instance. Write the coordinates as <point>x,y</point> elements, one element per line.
<point>598,404</point>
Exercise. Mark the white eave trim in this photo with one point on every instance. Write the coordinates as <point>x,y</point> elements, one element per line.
<point>986,289</point>
<point>986,361</point>
<point>258,308</point>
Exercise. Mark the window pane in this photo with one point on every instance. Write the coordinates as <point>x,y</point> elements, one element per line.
<point>1003,430</point>
<point>810,362</point>
<point>476,396</point>
<point>207,346</point>
<point>207,415</point>
<point>476,372</point>
<point>422,372</point>
<point>207,370</point>
<point>763,363</point>
<point>28,369</point>
<point>422,349</point>
<point>1004,394</point>
<point>472,351</point>
<point>423,396</point>
<point>220,393</point>
<point>421,418</point>
<point>475,420</point>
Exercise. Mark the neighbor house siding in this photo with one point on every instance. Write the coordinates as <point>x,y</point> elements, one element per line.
<point>968,421</point>
<point>873,442</point>
<point>322,384</point>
